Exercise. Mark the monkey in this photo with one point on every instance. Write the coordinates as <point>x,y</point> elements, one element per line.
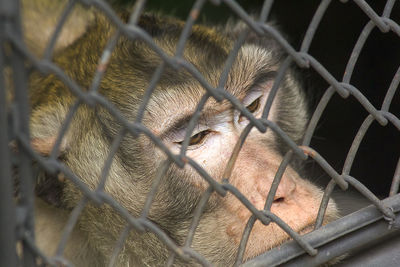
<point>93,129</point>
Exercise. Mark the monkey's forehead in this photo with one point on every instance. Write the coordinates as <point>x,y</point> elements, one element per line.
<point>206,49</point>
<point>253,65</point>
<point>166,28</point>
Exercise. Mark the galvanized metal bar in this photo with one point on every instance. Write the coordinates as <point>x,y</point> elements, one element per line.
<point>364,237</point>
<point>7,205</point>
<point>26,185</point>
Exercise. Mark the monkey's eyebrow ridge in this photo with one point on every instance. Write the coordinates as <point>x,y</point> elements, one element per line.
<point>183,120</point>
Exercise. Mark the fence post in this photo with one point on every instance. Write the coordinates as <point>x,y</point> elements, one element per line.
<point>7,205</point>
<point>11,26</point>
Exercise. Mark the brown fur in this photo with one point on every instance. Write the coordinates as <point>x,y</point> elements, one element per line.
<point>87,143</point>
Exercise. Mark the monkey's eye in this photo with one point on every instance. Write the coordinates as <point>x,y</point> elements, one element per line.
<point>197,138</point>
<point>253,107</point>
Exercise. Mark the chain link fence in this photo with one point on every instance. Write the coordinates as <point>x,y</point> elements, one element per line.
<point>376,222</point>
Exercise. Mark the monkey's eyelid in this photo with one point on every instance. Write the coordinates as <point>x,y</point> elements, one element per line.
<point>252,96</point>
<point>197,138</point>
<point>177,135</point>
<point>178,127</point>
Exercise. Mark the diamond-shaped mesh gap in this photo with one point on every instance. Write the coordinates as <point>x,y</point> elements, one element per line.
<point>319,246</point>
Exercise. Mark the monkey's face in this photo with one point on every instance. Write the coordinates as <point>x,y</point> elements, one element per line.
<point>210,148</point>
<point>211,145</point>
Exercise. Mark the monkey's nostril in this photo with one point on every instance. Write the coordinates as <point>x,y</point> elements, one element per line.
<point>279,200</point>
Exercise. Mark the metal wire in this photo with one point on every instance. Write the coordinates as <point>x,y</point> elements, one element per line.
<point>17,223</point>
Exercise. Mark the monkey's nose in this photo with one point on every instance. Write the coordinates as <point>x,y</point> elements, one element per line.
<point>285,190</point>
<point>278,199</point>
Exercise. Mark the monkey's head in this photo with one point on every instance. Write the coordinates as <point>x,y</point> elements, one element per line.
<point>95,130</point>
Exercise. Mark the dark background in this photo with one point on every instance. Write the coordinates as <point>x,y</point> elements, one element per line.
<point>335,38</point>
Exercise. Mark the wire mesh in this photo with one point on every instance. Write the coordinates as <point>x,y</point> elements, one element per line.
<point>17,239</point>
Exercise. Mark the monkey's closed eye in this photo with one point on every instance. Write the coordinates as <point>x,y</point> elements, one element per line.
<point>197,138</point>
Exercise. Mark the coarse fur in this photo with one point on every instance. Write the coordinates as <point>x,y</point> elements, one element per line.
<point>87,142</point>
